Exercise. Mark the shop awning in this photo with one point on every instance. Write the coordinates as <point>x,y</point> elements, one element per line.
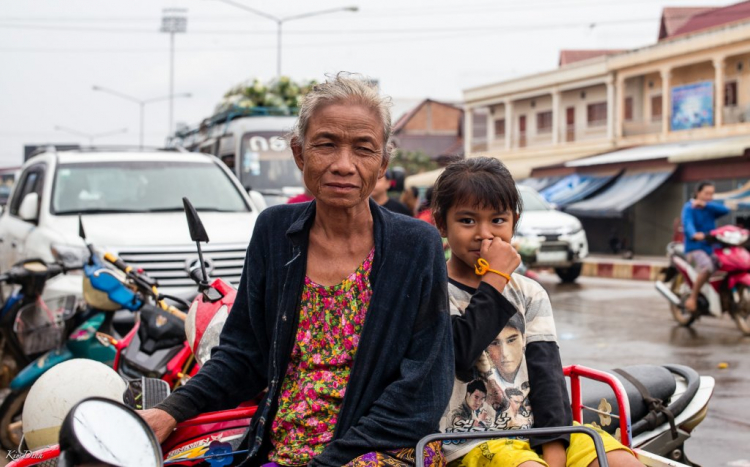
<point>631,187</point>
<point>576,187</point>
<point>540,183</point>
<point>712,149</point>
<point>423,180</point>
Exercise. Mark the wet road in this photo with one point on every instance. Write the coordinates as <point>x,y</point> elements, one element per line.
<point>607,323</point>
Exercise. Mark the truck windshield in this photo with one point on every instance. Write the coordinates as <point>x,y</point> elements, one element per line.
<point>143,186</point>
<point>267,163</point>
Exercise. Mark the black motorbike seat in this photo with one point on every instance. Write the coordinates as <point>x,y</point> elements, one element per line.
<point>659,381</point>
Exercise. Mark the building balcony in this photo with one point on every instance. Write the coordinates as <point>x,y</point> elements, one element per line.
<point>641,127</point>
<point>736,114</point>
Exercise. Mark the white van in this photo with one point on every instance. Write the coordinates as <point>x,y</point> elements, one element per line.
<point>131,205</point>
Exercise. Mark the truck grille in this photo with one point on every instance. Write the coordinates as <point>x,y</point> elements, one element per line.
<point>170,265</point>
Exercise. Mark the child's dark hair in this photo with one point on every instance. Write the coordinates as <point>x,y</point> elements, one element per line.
<point>479,181</point>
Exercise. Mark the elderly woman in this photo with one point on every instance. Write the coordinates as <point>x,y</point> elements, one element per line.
<point>338,297</point>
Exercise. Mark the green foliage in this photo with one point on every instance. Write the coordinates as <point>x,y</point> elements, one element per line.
<point>283,94</point>
<point>413,162</point>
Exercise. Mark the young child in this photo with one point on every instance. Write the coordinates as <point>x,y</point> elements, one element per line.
<point>508,368</point>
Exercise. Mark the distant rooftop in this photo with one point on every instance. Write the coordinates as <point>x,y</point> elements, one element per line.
<point>681,21</point>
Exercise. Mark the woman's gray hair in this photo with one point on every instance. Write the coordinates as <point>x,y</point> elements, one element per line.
<point>344,88</point>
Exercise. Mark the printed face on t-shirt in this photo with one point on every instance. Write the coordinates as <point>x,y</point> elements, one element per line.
<point>506,352</point>
<point>475,399</point>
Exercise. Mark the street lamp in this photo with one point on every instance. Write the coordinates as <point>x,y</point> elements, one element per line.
<point>90,136</point>
<point>279,21</point>
<point>173,21</point>
<point>141,102</point>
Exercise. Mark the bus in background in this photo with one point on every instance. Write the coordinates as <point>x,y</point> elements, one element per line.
<point>251,142</point>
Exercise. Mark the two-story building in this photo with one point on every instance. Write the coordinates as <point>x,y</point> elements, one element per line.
<point>619,138</point>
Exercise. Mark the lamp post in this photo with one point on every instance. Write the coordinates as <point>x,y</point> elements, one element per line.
<point>141,102</point>
<point>174,20</point>
<point>91,136</point>
<point>280,21</point>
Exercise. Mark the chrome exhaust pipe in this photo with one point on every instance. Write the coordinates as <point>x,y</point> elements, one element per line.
<point>667,293</point>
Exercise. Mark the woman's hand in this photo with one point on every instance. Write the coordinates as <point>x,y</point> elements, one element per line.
<point>160,421</point>
<point>502,257</point>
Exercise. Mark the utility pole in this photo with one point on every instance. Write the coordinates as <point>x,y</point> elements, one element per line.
<point>174,20</point>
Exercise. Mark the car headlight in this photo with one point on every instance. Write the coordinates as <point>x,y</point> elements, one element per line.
<point>571,229</point>
<point>69,255</point>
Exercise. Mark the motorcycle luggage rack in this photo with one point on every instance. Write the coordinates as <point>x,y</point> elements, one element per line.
<point>575,373</point>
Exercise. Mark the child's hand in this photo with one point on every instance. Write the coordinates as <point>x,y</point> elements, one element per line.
<point>502,257</point>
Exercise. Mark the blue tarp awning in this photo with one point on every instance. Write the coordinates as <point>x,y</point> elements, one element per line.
<point>630,188</point>
<point>741,192</point>
<point>576,187</point>
<point>540,183</point>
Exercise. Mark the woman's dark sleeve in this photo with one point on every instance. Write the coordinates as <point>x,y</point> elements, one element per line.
<point>410,407</point>
<point>487,314</point>
<point>236,371</point>
<point>548,393</point>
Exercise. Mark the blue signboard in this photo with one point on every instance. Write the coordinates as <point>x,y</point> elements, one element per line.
<point>693,106</point>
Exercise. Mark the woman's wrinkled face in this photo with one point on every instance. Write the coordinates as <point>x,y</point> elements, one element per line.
<point>342,157</point>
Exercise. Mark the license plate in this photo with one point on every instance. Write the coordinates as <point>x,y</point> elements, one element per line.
<point>552,257</point>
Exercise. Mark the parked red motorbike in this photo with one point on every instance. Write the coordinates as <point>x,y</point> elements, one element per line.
<point>727,290</point>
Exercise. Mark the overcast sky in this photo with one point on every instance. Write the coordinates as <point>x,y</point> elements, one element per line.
<point>53,51</point>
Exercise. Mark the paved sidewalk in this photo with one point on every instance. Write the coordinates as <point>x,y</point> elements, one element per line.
<point>645,268</point>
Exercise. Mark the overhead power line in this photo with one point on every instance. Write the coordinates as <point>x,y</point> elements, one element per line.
<point>359,31</point>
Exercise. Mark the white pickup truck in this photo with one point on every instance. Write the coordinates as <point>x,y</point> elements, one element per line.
<point>131,205</point>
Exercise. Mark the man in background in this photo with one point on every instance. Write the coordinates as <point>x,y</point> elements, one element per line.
<point>380,195</point>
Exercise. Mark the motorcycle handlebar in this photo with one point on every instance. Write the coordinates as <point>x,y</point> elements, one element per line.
<point>118,263</point>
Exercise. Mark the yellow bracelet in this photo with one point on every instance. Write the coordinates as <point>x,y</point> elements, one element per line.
<point>483,267</point>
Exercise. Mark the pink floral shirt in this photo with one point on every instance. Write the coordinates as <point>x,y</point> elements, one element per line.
<point>330,323</point>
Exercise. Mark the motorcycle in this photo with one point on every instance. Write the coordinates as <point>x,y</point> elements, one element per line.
<point>29,325</point>
<point>154,347</point>
<point>655,432</point>
<point>727,290</point>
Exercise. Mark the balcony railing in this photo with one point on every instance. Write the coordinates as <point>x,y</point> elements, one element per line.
<point>736,114</point>
<point>641,127</point>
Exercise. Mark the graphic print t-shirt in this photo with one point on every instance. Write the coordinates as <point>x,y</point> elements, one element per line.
<point>496,395</point>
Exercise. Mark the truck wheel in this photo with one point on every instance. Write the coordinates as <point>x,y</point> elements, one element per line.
<point>11,427</point>
<point>569,275</point>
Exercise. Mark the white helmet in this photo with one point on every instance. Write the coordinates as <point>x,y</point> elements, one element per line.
<point>58,390</point>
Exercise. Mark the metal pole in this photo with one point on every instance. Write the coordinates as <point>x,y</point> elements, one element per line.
<point>143,106</point>
<point>171,82</point>
<point>278,56</point>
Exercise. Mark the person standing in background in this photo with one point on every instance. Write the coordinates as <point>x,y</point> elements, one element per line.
<point>380,195</point>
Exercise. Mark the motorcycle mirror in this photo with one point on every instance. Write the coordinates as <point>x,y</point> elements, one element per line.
<point>197,234</point>
<point>81,232</point>
<point>100,431</point>
<point>197,231</point>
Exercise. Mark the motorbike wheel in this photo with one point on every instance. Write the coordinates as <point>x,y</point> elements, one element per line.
<point>741,313</point>
<point>569,275</point>
<point>11,428</point>
<point>681,315</point>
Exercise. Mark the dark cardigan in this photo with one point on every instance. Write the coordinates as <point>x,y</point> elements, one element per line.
<point>402,374</point>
